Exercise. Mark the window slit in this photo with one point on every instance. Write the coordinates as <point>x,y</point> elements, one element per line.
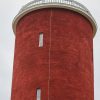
<point>38,93</point>
<point>41,40</point>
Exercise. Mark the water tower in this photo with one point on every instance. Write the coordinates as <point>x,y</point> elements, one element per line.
<point>53,51</point>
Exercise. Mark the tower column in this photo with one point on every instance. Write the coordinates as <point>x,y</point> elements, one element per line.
<point>53,53</point>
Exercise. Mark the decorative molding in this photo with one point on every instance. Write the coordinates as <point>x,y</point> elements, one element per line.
<point>67,4</point>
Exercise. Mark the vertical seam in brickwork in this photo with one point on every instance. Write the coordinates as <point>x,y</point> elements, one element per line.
<point>49,55</point>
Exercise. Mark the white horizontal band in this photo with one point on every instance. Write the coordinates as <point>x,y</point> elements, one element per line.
<point>67,4</point>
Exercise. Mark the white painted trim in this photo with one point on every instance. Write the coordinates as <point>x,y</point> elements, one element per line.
<point>41,39</point>
<point>38,94</point>
<point>54,5</point>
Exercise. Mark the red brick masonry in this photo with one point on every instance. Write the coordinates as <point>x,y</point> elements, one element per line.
<point>66,58</point>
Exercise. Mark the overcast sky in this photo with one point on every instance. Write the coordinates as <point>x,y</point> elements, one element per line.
<point>8,9</point>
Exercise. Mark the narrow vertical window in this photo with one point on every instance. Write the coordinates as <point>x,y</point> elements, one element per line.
<point>38,92</point>
<point>41,40</point>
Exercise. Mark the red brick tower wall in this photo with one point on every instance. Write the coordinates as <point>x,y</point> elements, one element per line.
<point>63,67</point>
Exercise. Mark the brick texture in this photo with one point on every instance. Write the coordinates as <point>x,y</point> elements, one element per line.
<point>66,59</point>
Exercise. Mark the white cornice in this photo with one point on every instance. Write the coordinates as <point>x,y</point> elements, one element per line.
<point>66,4</point>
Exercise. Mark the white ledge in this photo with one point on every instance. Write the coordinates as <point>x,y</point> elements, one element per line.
<point>66,4</point>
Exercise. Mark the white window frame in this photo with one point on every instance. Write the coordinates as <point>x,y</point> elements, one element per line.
<point>41,39</point>
<point>38,94</point>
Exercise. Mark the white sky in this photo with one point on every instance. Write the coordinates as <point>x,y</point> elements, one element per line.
<point>8,9</point>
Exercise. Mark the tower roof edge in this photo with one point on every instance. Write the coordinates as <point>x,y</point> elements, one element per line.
<point>67,4</point>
